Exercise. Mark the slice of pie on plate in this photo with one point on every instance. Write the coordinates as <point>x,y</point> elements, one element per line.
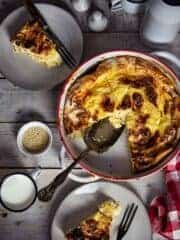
<point>97,226</point>
<point>132,91</point>
<point>32,41</point>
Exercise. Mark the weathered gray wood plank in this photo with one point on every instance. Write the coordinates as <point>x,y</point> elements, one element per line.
<point>10,156</point>
<point>22,105</point>
<point>34,224</point>
<point>97,43</point>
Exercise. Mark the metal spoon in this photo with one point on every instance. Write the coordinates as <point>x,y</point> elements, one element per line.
<point>99,137</point>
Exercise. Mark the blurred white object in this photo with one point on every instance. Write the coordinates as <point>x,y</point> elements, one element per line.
<point>97,21</point>
<point>161,22</point>
<point>81,5</point>
<point>79,175</point>
<point>134,6</point>
<point>115,5</point>
<point>168,56</point>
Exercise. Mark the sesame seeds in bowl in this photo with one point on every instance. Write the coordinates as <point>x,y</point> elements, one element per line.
<point>34,138</point>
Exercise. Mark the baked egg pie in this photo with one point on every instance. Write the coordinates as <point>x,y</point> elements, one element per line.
<point>97,226</point>
<point>131,91</point>
<point>32,41</point>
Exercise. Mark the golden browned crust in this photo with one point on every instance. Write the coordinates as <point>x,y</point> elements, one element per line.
<point>97,226</point>
<point>31,36</point>
<point>149,149</point>
<point>32,41</point>
<point>133,92</point>
<point>89,231</point>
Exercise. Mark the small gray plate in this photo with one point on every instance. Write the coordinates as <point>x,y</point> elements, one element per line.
<point>22,70</point>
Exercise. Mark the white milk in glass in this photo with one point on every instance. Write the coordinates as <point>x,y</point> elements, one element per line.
<point>17,192</point>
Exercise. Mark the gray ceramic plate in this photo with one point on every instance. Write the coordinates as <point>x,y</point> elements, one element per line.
<point>26,73</point>
<point>83,201</point>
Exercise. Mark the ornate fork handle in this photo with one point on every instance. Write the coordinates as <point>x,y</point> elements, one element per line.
<point>46,193</point>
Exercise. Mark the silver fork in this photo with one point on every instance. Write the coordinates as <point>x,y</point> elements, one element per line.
<point>126,221</point>
<point>115,5</point>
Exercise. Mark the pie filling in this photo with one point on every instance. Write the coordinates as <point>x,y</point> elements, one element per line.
<point>97,226</point>
<point>32,41</point>
<point>131,91</point>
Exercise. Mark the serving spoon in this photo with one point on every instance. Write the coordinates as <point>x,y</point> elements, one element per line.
<point>98,138</point>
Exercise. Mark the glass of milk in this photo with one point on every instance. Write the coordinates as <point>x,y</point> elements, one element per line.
<point>18,192</point>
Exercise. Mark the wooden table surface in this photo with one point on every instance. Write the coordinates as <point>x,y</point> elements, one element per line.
<point>18,106</point>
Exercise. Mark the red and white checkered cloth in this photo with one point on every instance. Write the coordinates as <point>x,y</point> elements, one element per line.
<point>164,211</point>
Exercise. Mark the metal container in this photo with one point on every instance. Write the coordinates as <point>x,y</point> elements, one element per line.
<point>161,23</point>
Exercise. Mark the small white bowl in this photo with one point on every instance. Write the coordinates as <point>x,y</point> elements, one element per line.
<point>24,128</point>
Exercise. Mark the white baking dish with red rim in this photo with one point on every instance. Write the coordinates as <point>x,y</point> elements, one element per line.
<point>113,165</point>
